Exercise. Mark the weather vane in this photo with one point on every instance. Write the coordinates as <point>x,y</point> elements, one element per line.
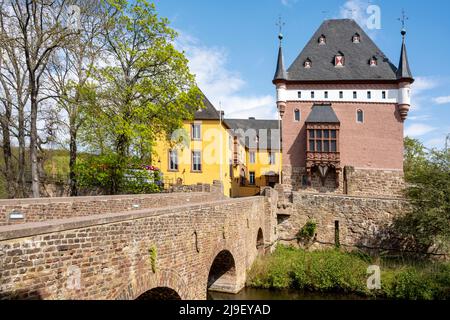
<point>280,24</point>
<point>403,20</point>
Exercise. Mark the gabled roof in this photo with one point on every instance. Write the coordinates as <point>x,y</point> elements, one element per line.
<point>269,142</point>
<point>338,34</point>
<point>208,113</point>
<point>322,114</point>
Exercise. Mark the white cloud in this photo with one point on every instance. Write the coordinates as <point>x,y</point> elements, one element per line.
<point>418,91</point>
<point>418,129</point>
<point>288,3</point>
<point>354,9</point>
<point>222,86</point>
<point>424,83</point>
<point>423,117</point>
<point>436,143</point>
<point>442,100</point>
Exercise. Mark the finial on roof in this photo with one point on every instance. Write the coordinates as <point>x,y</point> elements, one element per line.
<point>280,72</point>
<point>403,19</point>
<point>280,24</point>
<point>403,70</point>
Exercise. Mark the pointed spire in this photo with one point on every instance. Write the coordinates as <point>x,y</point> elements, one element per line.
<point>280,73</point>
<point>403,71</point>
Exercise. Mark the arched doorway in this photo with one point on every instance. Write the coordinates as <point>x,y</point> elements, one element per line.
<point>222,275</point>
<point>260,242</point>
<point>160,293</point>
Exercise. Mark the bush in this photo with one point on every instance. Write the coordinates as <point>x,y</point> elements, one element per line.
<point>335,271</point>
<point>308,231</point>
<point>110,174</point>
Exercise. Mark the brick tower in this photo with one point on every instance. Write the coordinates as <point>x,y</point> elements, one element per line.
<point>343,105</point>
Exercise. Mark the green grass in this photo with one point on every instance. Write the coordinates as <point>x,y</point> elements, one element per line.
<point>337,271</point>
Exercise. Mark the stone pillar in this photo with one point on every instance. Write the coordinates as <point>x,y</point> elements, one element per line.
<point>270,225</point>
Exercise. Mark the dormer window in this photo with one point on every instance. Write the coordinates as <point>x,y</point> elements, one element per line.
<point>373,62</point>
<point>356,38</point>
<point>339,60</point>
<point>322,40</point>
<point>307,63</point>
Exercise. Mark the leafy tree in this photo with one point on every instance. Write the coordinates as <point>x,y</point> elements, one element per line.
<point>145,88</point>
<point>107,174</point>
<point>427,226</point>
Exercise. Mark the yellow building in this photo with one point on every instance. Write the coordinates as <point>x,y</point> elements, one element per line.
<point>211,148</point>
<point>261,139</point>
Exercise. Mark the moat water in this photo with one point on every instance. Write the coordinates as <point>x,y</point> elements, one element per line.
<point>265,294</point>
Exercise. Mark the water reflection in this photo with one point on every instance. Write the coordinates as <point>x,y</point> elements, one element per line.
<point>265,294</point>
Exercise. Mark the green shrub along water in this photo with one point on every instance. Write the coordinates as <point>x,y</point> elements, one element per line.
<point>333,270</point>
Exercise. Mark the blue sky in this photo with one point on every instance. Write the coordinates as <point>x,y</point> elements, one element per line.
<point>232,47</point>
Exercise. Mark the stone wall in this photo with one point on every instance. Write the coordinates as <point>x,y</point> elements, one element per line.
<point>352,181</point>
<point>364,182</point>
<point>44,209</point>
<point>109,256</point>
<point>362,220</point>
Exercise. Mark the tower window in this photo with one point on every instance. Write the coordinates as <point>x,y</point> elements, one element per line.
<point>322,140</point>
<point>360,116</point>
<point>339,60</point>
<point>299,94</point>
<point>341,94</point>
<point>307,63</point>
<point>373,62</point>
<point>356,38</point>
<point>312,94</point>
<point>383,94</point>
<point>369,95</point>
<point>322,40</point>
<point>355,95</point>
<point>297,115</point>
<point>325,95</point>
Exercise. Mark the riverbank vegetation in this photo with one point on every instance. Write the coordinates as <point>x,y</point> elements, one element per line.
<point>333,270</point>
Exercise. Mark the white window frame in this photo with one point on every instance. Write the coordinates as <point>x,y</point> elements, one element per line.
<point>194,131</point>
<point>272,158</point>
<point>250,175</point>
<point>196,155</point>
<point>173,158</point>
<point>252,157</point>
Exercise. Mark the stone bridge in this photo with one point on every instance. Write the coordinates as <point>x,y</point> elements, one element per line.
<point>132,247</point>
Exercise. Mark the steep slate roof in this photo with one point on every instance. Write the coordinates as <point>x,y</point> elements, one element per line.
<point>403,71</point>
<point>322,114</point>
<point>208,113</point>
<point>273,137</point>
<point>338,34</point>
<point>280,72</point>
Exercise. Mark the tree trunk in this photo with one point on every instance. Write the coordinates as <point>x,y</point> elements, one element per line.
<point>33,140</point>
<point>22,187</point>
<point>72,162</point>
<point>7,156</point>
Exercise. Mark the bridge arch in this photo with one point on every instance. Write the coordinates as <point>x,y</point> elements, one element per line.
<point>222,276</point>
<point>165,282</point>
<point>260,241</point>
<point>160,293</point>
